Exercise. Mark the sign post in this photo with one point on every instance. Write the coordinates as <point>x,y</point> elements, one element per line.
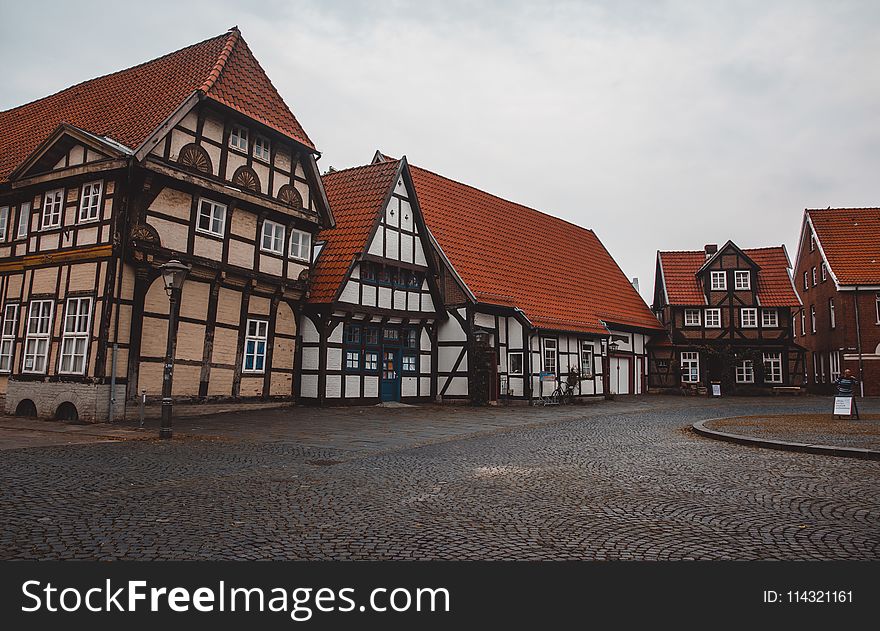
<point>843,406</point>
<point>716,389</point>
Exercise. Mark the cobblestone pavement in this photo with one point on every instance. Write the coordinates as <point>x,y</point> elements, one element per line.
<point>619,480</point>
<point>821,429</point>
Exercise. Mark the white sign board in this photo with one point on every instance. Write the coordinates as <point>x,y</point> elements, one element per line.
<point>716,389</point>
<point>842,406</point>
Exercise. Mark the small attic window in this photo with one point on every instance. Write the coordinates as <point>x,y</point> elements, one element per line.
<point>238,138</point>
<point>261,148</point>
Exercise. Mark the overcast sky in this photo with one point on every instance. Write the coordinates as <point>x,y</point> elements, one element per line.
<point>660,125</point>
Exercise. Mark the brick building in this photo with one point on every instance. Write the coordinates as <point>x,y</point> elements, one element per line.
<point>837,275</point>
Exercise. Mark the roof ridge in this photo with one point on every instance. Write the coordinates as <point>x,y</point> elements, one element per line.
<point>115,72</point>
<point>813,210</point>
<point>361,166</point>
<point>503,199</point>
<point>233,35</point>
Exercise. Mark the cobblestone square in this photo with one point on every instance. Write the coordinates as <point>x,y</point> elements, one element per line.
<point>608,480</point>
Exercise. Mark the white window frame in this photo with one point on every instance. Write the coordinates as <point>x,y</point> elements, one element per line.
<point>715,321</point>
<point>38,337</point>
<point>521,364</point>
<point>877,306</point>
<point>748,318</point>
<point>812,318</point>
<point>238,137</point>
<point>832,316</point>
<point>806,280</point>
<point>53,209</point>
<point>8,333</point>
<point>75,336</point>
<point>4,222</point>
<point>813,274</point>
<point>256,332</point>
<point>549,344</point>
<point>216,212</point>
<point>692,317</point>
<point>740,274</point>
<point>691,361</point>
<point>803,322</point>
<point>834,365</point>
<point>769,319</point>
<point>409,363</point>
<point>274,231</point>
<point>718,280</point>
<point>371,360</point>
<point>352,359</point>
<point>24,221</point>
<point>587,358</point>
<point>90,202</point>
<point>824,273</point>
<point>745,371</point>
<point>303,243</point>
<point>812,242</point>
<point>262,148</point>
<point>772,366</point>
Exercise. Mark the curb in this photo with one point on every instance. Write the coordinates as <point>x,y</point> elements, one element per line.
<point>824,450</point>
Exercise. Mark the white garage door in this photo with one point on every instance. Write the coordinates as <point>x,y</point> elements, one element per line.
<point>619,376</point>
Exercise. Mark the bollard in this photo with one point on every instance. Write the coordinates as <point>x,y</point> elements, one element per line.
<point>143,402</point>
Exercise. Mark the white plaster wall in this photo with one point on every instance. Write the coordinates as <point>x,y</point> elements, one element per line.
<point>309,386</point>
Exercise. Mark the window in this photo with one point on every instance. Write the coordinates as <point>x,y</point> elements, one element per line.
<point>368,270</point>
<point>261,148</point>
<point>832,319</point>
<point>255,346</point>
<point>803,322</point>
<point>24,220</point>
<point>794,326</point>
<point>352,360</point>
<point>815,367</point>
<point>690,367</point>
<point>515,363</point>
<point>371,336</point>
<point>769,318</point>
<point>238,138</point>
<point>371,361</point>
<point>824,271</point>
<point>812,243</point>
<point>713,318</point>
<point>806,281</point>
<point>814,275</point>
<point>409,363</point>
<point>748,317</point>
<point>75,340</point>
<point>719,281</point>
<point>742,279</point>
<point>39,329</point>
<point>4,221</point>
<point>745,371</point>
<point>300,245</point>
<point>587,358</point>
<point>773,367</point>
<point>834,359</point>
<point>813,318</point>
<point>352,335</point>
<point>53,202</point>
<point>411,338</point>
<point>877,306</point>
<point>692,317</point>
<point>90,201</point>
<point>549,355</point>
<point>391,335</point>
<point>7,340</point>
<point>212,218</point>
<point>415,280</point>
<point>273,237</point>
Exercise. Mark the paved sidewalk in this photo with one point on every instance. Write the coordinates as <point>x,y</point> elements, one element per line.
<point>810,429</point>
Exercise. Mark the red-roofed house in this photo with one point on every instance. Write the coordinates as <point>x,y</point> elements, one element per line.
<point>728,315</point>
<point>838,278</point>
<point>192,156</point>
<point>517,302</point>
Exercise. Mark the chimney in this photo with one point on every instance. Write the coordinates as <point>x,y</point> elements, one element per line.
<point>635,283</point>
<point>710,248</point>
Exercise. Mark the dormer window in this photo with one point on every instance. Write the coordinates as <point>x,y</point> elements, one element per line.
<point>742,280</point>
<point>238,139</point>
<point>261,148</point>
<point>719,281</point>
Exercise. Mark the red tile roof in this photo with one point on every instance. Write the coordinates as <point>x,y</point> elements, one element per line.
<point>850,239</point>
<point>559,274</point>
<point>775,289</point>
<point>355,197</point>
<point>129,105</point>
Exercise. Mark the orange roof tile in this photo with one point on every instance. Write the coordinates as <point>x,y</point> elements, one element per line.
<point>850,239</point>
<point>559,274</point>
<point>129,105</point>
<point>775,289</point>
<point>355,197</point>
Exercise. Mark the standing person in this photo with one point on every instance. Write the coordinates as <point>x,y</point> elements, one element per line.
<point>846,385</point>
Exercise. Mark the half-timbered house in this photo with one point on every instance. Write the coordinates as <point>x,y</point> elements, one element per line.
<point>524,295</point>
<point>728,317</point>
<point>193,156</point>
<point>837,275</point>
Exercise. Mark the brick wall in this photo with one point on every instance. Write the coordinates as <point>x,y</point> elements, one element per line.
<point>92,401</point>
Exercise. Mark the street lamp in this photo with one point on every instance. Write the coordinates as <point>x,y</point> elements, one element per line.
<point>173,274</point>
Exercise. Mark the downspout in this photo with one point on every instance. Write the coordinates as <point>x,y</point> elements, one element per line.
<point>859,343</point>
<point>118,297</point>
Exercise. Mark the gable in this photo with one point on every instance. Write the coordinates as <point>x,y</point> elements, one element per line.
<point>396,236</point>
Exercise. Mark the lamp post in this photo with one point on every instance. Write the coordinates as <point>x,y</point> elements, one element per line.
<point>612,349</point>
<point>173,274</point>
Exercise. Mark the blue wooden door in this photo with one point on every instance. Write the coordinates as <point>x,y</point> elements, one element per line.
<point>391,375</point>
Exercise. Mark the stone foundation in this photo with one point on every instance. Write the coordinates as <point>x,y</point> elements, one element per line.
<point>92,401</point>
